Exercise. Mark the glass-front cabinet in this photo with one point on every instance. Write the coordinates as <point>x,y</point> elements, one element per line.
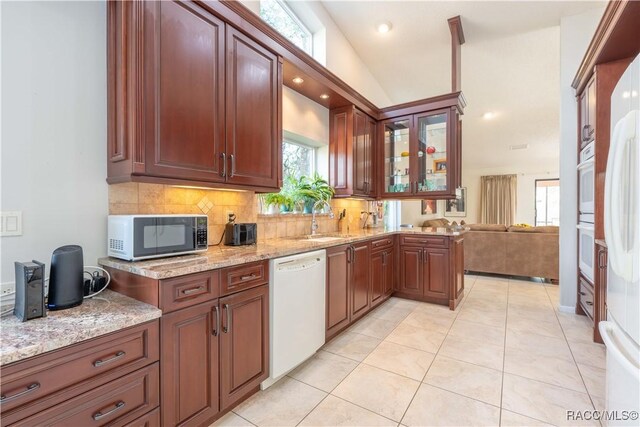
<point>421,154</point>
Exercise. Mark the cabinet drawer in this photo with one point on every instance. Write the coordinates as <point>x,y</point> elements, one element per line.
<point>185,291</point>
<point>382,243</point>
<point>585,296</point>
<point>115,403</point>
<point>51,378</point>
<point>244,276</point>
<point>432,241</point>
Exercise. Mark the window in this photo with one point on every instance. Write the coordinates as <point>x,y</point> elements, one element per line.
<point>277,14</point>
<point>297,160</point>
<point>547,202</point>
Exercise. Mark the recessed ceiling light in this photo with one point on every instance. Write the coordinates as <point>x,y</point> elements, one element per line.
<point>324,96</point>
<point>384,27</point>
<point>298,80</point>
<point>488,115</point>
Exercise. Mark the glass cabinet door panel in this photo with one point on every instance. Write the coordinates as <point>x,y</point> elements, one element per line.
<point>432,153</point>
<point>397,173</point>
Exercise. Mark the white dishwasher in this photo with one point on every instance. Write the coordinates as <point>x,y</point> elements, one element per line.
<point>297,288</point>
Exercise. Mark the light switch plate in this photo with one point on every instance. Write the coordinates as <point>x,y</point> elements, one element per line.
<point>11,223</point>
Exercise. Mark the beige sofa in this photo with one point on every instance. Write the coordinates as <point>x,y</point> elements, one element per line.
<point>517,251</point>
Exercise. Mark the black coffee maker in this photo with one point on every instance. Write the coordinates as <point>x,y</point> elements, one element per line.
<point>66,278</point>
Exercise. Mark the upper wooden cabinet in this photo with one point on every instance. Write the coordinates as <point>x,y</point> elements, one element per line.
<point>587,117</point>
<point>351,152</point>
<point>420,149</point>
<point>191,99</point>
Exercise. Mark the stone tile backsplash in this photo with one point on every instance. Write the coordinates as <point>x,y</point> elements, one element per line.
<point>142,198</point>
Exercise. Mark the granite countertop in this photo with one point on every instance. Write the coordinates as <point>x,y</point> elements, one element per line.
<point>225,256</point>
<point>105,313</point>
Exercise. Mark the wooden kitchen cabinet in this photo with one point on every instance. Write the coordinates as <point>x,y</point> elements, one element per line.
<point>420,148</point>
<point>431,269</point>
<point>382,275</point>
<point>190,365</point>
<point>360,279</point>
<point>244,343</point>
<point>191,100</point>
<point>587,114</point>
<point>351,152</point>
<point>338,297</point>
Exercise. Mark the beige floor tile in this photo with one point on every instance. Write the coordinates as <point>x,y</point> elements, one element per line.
<point>429,321</point>
<point>389,312</point>
<point>526,326</point>
<point>352,345</point>
<point>489,334</point>
<point>333,411</point>
<point>418,338</point>
<point>373,327</point>
<point>401,360</point>
<point>285,403</point>
<point>476,352</point>
<point>589,353</point>
<point>542,401</point>
<point>489,304</point>
<point>538,313</point>
<point>551,370</point>
<point>436,407</point>
<point>324,370</point>
<point>231,420</point>
<point>382,392</point>
<point>511,419</point>
<point>539,299</point>
<point>476,382</point>
<point>595,380</point>
<point>402,303</point>
<point>538,344</point>
<point>479,316</point>
<point>436,309</point>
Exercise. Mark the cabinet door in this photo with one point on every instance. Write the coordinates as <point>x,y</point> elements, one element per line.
<point>341,150</point>
<point>435,152</point>
<point>369,161</point>
<point>583,119</point>
<point>254,135</point>
<point>396,167</point>
<point>359,280</point>
<point>411,260</point>
<point>591,109</point>
<point>184,70</point>
<point>337,289</point>
<point>361,156</point>
<point>436,274</point>
<point>458,272</point>
<point>389,272</point>
<point>244,343</point>
<point>189,365</point>
<point>378,277</point>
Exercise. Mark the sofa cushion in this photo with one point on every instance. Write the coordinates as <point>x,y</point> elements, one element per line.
<point>487,227</point>
<point>439,222</point>
<point>542,229</point>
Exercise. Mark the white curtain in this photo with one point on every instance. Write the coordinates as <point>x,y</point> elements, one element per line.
<point>498,195</point>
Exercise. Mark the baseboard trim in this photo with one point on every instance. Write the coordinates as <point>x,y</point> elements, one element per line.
<point>567,309</point>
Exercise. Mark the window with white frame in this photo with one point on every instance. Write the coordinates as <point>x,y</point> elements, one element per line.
<point>277,14</point>
<point>297,159</point>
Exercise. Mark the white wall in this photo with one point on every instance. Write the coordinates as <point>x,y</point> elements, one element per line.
<point>54,128</point>
<point>575,34</point>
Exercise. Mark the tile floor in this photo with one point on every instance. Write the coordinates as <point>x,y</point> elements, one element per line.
<point>505,357</point>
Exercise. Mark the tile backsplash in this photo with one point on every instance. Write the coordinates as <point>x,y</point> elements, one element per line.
<point>142,198</point>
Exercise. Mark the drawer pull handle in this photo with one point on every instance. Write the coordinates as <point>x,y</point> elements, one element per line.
<point>192,290</point>
<point>30,388</point>
<point>588,302</point>
<point>99,415</point>
<point>248,277</point>
<point>227,327</point>
<point>101,362</point>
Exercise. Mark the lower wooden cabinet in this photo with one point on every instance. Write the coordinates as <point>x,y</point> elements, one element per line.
<point>190,365</point>
<point>432,270</point>
<point>244,343</point>
<point>337,297</point>
<point>382,275</point>
<point>360,279</point>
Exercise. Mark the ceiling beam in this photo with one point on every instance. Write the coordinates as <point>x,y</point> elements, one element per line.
<point>457,40</point>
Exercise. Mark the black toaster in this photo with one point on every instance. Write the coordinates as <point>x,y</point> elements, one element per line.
<point>240,234</point>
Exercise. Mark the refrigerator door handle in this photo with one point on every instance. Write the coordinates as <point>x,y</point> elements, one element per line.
<point>606,331</point>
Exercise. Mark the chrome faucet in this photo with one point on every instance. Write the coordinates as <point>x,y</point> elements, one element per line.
<point>314,223</point>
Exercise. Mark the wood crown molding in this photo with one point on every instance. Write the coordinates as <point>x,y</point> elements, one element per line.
<point>457,40</point>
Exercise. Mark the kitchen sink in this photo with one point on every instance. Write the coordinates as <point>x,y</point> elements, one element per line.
<point>322,238</point>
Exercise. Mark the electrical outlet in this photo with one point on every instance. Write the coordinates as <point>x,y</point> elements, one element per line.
<point>11,223</point>
<point>7,288</point>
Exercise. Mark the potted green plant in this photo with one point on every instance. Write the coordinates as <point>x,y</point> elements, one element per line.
<point>312,189</point>
<point>280,199</point>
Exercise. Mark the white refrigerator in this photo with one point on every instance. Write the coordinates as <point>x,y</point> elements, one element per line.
<point>621,330</point>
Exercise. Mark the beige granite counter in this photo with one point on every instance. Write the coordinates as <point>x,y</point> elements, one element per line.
<point>105,313</point>
<point>225,256</point>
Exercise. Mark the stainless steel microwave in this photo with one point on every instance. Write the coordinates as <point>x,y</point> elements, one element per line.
<point>137,237</point>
